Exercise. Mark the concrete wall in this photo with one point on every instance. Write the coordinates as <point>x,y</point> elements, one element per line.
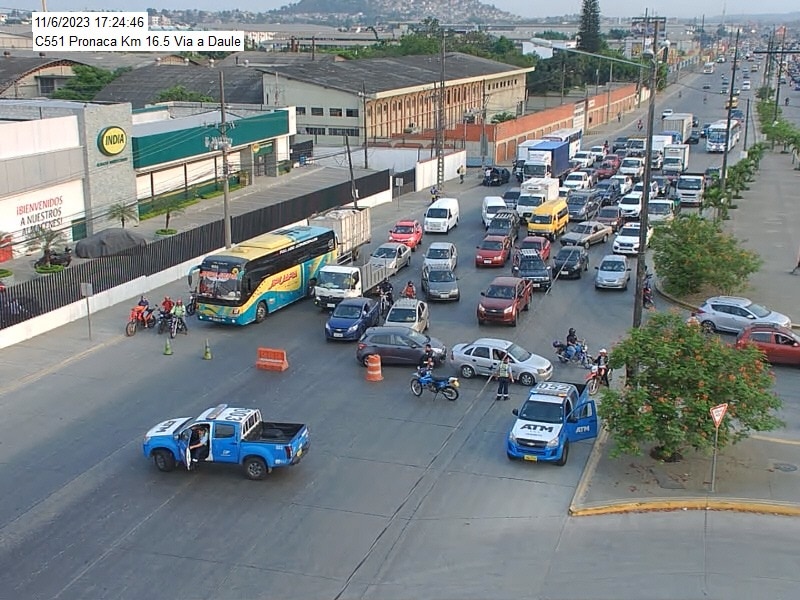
<point>123,293</point>
<point>426,174</point>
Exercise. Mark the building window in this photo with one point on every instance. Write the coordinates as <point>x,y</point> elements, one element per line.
<point>352,112</point>
<point>335,112</point>
<point>47,86</point>
<point>315,130</point>
<point>300,110</point>
<point>317,111</point>
<point>344,131</point>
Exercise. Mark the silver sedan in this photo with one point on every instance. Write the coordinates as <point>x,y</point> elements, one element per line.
<point>587,233</point>
<point>613,273</point>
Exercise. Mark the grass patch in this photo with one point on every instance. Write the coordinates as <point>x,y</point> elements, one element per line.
<point>45,270</point>
<point>6,273</point>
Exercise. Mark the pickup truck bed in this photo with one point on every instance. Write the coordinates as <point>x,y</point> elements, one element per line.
<point>274,433</point>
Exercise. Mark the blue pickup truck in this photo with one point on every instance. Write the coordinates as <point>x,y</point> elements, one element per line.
<point>554,415</point>
<point>235,436</point>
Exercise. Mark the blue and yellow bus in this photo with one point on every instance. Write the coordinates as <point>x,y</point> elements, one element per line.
<point>263,274</point>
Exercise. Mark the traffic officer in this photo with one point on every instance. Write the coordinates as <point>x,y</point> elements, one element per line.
<point>504,377</point>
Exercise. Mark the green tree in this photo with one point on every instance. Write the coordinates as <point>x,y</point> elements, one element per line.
<point>178,93</point>
<point>44,239</point>
<point>618,34</point>
<point>86,82</point>
<point>169,206</point>
<point>552,35</point>
<point>589,38</point>
<point>123,212</point>
<point>503,117</point>
<point>676,374</point>
<point>692,252</point>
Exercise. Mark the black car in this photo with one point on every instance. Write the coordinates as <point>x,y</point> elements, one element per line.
<point>511,196</point>
<point>611,216</point>
<point>497,176</point>
<point>504,223</point>
<point>533,268</point>
<point>694,137</point>
<point>620,143</point>
<point>571,262</point>
<point>609,192</point>
<point>397,345</point>
<point>695,122</point>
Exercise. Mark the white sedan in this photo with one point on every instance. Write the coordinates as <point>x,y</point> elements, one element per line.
<point>482,357</point>
<point>627,240</point>
<point>392,255</point>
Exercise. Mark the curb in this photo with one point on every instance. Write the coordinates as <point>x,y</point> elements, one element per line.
<point>588,472</point>
<point>741,505</point>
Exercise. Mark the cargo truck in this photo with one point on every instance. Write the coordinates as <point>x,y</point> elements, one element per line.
<point>522,156</point>
<point>548,159</point>
<point>533,192</point>
<point>680,122</point>
<point>337,282</point>
<point>676,160</point>
<point>353,229</point>
<point>690,189</point>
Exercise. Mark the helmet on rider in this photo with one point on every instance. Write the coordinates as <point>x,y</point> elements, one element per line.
<point>571,331</point>
<point>179,302</point>
<point>603,351</point>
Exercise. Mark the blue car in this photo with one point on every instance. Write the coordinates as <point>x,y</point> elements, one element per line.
<point>351,318</point>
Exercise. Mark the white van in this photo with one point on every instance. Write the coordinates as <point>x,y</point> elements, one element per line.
<point>660,211</point>
<point>442,216</point>
<point>491,204</point>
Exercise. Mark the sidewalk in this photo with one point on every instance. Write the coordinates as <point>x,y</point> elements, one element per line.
<point>758,474</point>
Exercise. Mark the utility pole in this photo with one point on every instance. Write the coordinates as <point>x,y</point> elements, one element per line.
<point>563,74</point>
<point>440,120</point>
<point>608,94</point>
<point>225,146</point>
<point>364,111</point>
<point>353,190</point>
<point>644,41</point>
<point>723,174</point>
<point>484,141</point>
<point>746,123</point>
<point>778,74</point>
<point>641,266</point>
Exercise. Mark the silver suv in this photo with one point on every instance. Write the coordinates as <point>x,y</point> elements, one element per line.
<point>733,314</point>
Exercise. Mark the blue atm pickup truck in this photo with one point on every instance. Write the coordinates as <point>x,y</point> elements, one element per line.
<point>554,415</point>
<point>236,436</point>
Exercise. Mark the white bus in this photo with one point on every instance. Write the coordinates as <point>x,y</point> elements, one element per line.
<point>708,68</point>
<point>573,136</point>
<point>720,138</point>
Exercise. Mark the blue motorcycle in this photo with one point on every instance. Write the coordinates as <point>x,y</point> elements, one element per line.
<point>424,379</point>
<point>578,354</point>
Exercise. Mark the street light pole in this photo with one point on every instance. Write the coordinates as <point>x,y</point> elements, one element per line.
<point>723,174</point>
<point>226,189</point>
<point>641,266</point>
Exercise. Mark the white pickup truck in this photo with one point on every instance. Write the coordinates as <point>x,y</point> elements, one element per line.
<point>633,167</point>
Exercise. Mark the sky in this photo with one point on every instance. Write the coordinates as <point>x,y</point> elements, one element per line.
<point>526,8</point>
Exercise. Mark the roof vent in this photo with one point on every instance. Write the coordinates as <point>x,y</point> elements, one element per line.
<point>186,61</point>
<point>246,63</point>
<point>158,60</point>
<point>6,53</point>
<point>211,62</point>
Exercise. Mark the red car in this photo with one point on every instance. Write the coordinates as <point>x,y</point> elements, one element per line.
<point>606,170</point>
<point>408,233</point>
<point>494,251</point>
<point>503,300</point>
<point>780,345</point>
<point>614,159</point>
<point>538,243</point>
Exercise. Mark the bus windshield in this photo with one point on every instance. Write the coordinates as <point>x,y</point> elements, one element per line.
<point>220,280</point>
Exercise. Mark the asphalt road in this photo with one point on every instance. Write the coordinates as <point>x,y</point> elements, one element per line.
<point>399,496</point>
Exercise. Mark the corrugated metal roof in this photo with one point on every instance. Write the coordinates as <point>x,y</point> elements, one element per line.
<point>142,86</point>
<point>385,74</point>
<point>14,68</point>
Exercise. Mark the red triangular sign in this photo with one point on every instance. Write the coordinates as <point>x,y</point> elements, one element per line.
<point>717,412</point>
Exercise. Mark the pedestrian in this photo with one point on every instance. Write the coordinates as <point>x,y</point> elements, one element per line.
<point>797,266</point>
<point>504,377</point>
<point>462,170</point>
<point>619,117</point>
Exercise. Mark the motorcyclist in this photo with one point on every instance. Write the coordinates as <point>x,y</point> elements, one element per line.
<point>434,194</point>
<point>428,360</point>
<point>693,320</point>
<point>166,304</point>
<point>602,366</point>
<point>145,309</point>
<point>386,287</point>
<point>572,343</point>
<point>639,125</point>
<point>179,312</point>
<point>410,291</point>
<point>705,99</point>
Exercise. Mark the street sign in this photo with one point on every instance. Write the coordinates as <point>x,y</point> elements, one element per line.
<point>717,412</point>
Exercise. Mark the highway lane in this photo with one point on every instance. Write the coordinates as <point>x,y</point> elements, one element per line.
<point>398,493</point>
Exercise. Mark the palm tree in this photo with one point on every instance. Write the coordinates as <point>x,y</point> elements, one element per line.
<point>44,239</point>
<point>169,205</point>
<point>123,212</point>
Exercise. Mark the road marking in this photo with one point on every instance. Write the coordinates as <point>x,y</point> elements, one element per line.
<point>775,440</point>
<point>37,375</point>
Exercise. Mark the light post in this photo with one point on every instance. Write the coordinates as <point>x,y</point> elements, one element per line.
<point>223,143</point>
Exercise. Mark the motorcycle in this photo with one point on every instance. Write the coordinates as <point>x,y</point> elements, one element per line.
<point>177,326</point>
<point>191,305</point>
<point>424,379</point>
<point>579,356</point>
<point>141,316</point>
<point>164,321</point>
<point>386,302</point>
<point>62,259</point>
<point>595,378</point>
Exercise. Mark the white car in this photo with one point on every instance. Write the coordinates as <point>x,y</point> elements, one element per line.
<point>633,167</point>
<point>441,255</point>
<point>482,357</point>
<point>667,112</point>
<point>627,240</point>
<point>577,181</point>
<point>391,255</point>
<point>408,312</point>
<point>598,152</point>
<point>625,183</point>
<point>639,187</point>
<point>584,157</point>
<point>630,205</point>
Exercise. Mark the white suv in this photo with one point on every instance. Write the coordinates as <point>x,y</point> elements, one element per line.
<point>627,240</point>
<point>630,205</point>
<point>733,314</point>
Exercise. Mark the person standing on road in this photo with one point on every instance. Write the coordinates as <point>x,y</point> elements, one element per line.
<point>462,170</point>
<point>797,266</point>
<point>504,377</point>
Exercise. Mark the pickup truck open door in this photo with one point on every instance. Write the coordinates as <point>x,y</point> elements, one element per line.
<point>582,422</point>
<point>224,443</point>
